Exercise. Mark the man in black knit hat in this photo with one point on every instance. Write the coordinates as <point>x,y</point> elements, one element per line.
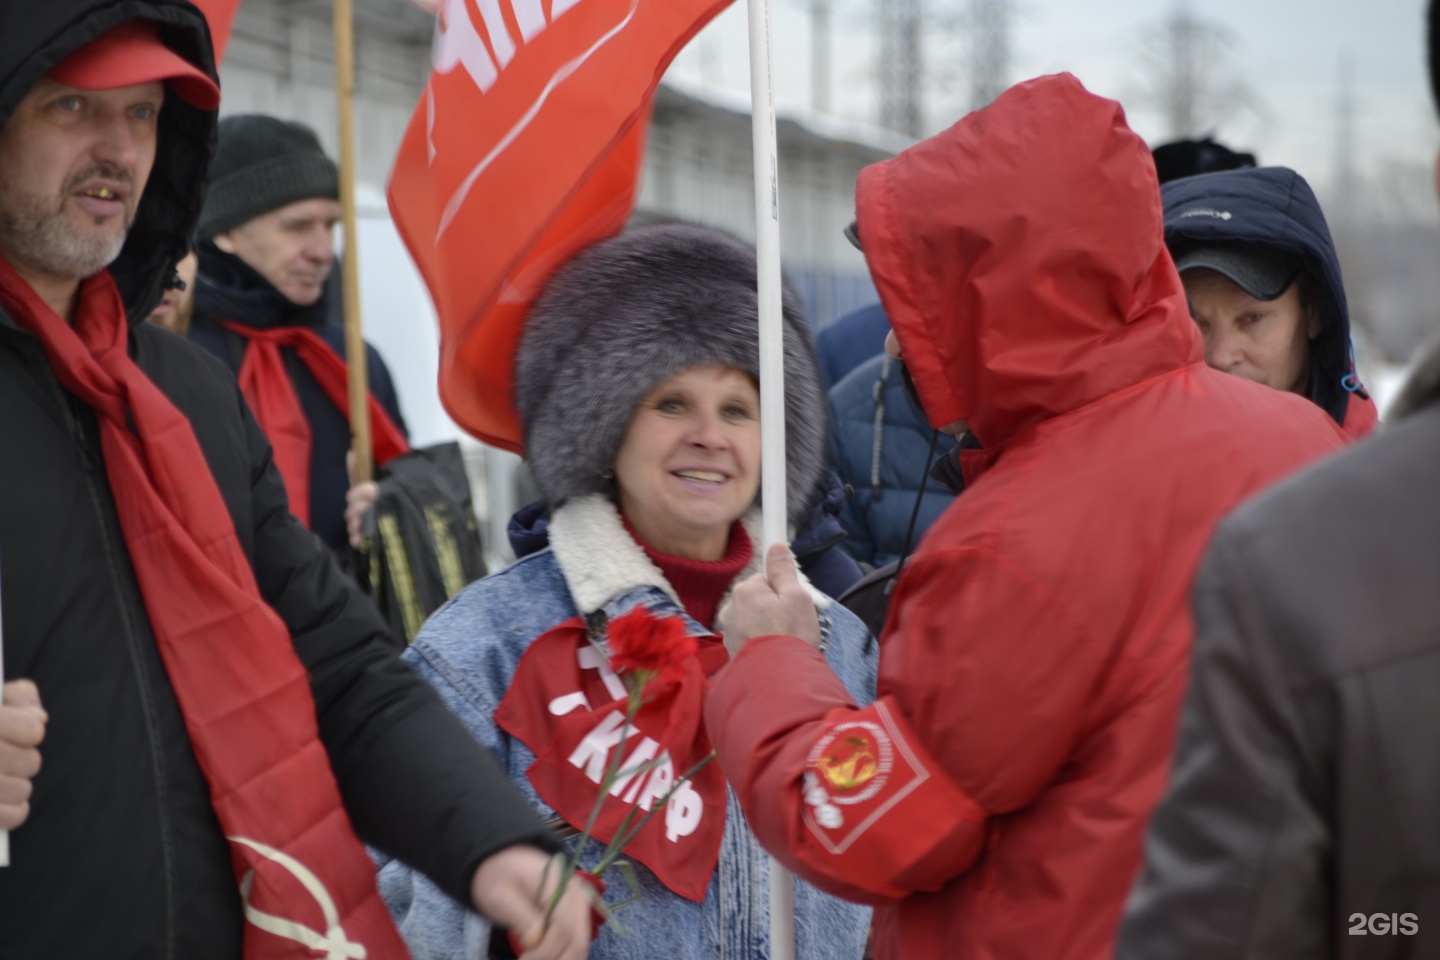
<point>267,246</point>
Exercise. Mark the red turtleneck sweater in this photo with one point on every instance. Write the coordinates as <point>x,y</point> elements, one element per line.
<point>701,584</point>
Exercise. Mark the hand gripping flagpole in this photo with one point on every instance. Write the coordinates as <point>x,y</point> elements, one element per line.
<point>772,377</point>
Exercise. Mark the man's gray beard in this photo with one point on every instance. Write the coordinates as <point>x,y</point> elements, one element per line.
<point>42,240</point>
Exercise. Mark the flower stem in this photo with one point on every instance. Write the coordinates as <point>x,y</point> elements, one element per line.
<point>612,770</point>
<point>617,846</point>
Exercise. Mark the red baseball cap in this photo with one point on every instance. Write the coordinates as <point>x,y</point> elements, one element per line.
<point>130,54</point>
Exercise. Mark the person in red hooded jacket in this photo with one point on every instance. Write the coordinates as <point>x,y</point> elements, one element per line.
<point>993,800</point>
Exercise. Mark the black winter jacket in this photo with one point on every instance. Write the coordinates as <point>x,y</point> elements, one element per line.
<point>228,289</point>
<point>122,855</point>
<point>1305,795</point>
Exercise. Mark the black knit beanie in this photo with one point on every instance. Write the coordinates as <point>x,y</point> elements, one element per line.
<point>261,164</point>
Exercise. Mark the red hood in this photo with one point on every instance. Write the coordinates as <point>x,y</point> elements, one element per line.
<point>1020,256</point>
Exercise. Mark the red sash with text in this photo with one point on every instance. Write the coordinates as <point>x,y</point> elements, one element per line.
<point>568,707</point>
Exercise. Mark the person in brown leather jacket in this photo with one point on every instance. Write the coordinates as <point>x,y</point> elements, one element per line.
<point>1300,820</point>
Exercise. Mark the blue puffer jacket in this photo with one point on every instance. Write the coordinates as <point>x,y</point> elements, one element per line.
<point>469,651</point>
<point>880,441</point>
<point>1274,208</point>
<point>850,341</point>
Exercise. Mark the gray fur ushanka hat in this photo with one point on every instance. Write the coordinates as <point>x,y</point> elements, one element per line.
<point>626,314</point>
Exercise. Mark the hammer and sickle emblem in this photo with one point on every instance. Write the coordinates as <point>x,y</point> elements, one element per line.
<point>333,943</point>
<point>857,768</point>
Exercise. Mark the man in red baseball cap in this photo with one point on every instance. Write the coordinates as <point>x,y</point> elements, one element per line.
<point>224,715</point>
<point>79,148</point>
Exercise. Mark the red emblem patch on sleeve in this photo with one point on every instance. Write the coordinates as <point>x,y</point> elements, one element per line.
<point>858,771</point>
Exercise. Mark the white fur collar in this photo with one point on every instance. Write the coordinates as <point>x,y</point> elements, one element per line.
<point>601,561</point>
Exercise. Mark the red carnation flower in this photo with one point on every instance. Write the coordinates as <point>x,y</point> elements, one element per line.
<point>643,643</point>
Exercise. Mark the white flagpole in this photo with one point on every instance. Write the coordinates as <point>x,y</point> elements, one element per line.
<point>772,377</point>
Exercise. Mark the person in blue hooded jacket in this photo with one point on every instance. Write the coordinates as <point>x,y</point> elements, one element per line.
<point>1263,280</point>
<point>850,341</point>
<point>880,442</point>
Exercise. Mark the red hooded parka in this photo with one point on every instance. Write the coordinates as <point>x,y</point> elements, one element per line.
<point>994,798</point>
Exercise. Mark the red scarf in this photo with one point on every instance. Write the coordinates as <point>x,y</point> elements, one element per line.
<point>305,880</point>
<point>566,705</point>
<point>266,385</point>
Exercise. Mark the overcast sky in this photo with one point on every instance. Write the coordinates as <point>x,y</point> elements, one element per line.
<point>1286,53</point>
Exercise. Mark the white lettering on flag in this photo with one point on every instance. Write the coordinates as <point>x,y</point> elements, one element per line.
<point>430,123</point>
<point>529,17</point>
<point>457,199</point>
<point>500,40</point>
<point>457,43</point>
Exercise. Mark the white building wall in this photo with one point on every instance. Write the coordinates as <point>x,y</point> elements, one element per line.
<point>281,61</point>
<point>699,167</point>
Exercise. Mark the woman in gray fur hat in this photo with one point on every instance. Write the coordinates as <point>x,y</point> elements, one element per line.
<point>636,385</point>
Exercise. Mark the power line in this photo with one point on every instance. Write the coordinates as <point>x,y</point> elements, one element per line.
<point>989,22</point>
<point>1191,75</point>
<point>1183,37</point>
<point>1347,179</point>
<point>820,55</point>
<point>899,65</point>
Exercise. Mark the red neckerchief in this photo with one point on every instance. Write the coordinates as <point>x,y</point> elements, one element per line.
<point>304,877</point>
<point>266,385</point>
<point>566,705</point>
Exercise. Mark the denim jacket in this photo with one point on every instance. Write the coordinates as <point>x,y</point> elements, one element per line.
<point>469,650</point>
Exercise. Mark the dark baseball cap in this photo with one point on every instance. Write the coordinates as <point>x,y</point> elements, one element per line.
<point>1260,273</point>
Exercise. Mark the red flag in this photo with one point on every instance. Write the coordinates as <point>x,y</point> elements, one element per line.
<point>221,14</point>
<point>526,147</point>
